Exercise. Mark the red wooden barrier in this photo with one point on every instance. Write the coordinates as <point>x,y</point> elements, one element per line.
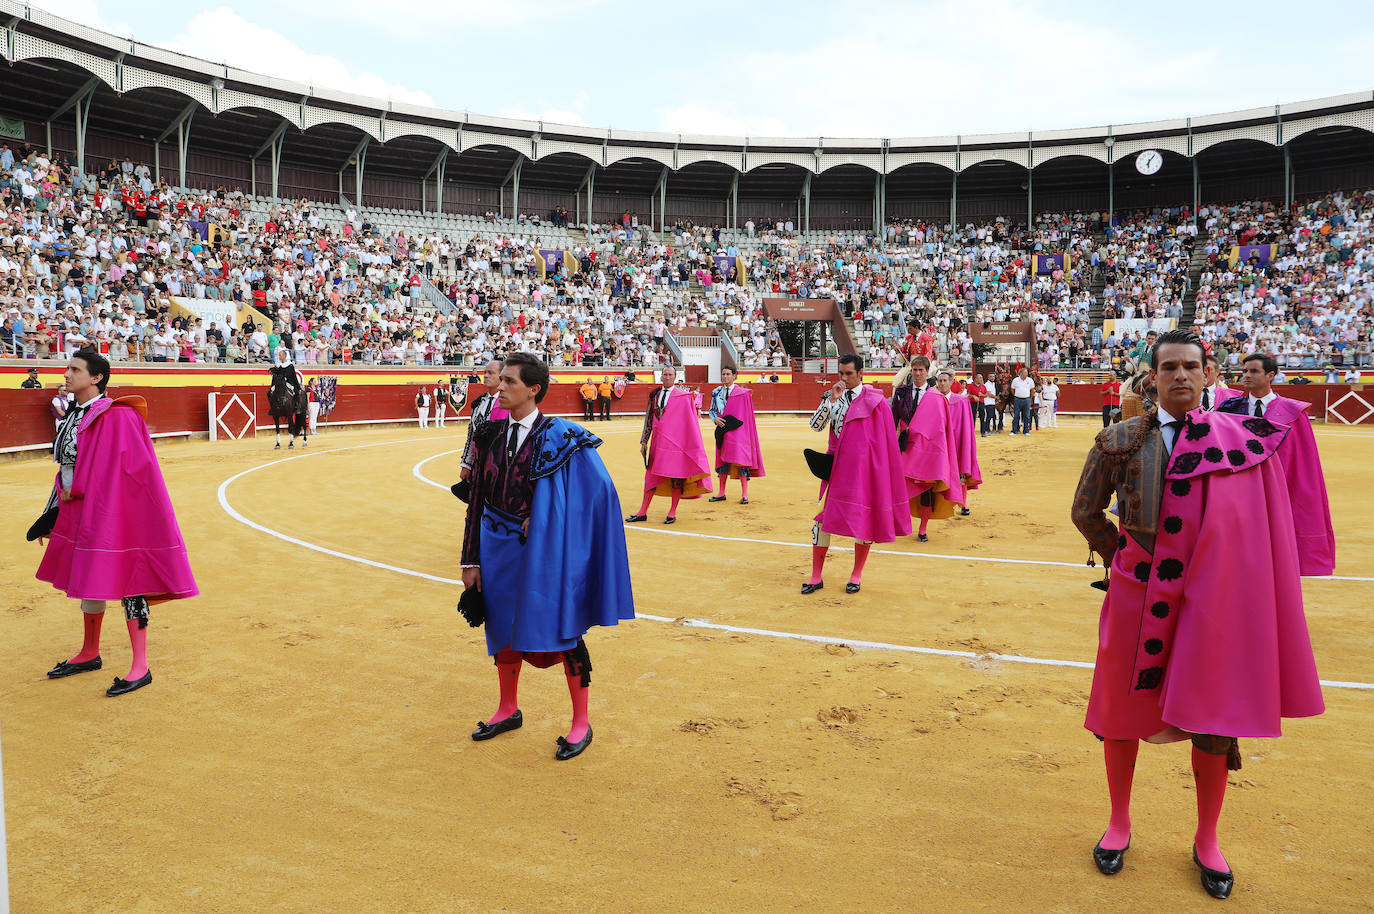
<point>25,418</point>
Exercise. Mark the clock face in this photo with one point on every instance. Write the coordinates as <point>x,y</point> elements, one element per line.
<point>1149,162</point>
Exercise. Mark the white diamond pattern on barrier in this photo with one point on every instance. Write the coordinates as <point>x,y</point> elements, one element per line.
<point>1333,409</point>
<point>237,419</point>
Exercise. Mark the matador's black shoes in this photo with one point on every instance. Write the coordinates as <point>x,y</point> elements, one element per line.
<point>715,498</point>
<point>487,731</point>
<point>636,518</point>
<point>670,520</point>
<point>567,750</point>
<point>67,668</point>
<point>1216,883</point>
<point>812,588</point>
<point>1109,862</point>
<point>124,686</point>
<point>851,587</point>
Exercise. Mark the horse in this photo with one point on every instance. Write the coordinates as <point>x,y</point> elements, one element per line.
<point>287,400</point>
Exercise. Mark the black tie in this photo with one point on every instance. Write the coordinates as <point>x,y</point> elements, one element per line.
<point>513,446</point>
<point>848,397</point>
<point>1171,434</point>
<point>1259,407</point>
<point>1206,399</point>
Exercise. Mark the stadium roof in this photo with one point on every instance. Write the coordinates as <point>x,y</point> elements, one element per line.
<point>144,91</point>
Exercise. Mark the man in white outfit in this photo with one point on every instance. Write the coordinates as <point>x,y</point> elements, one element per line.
<point>422,399</point>
<point>1049,394</point>
<point>440,403</point>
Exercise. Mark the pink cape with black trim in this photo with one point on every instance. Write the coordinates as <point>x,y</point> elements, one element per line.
<point>1206,633</point>
<point>865,497</point>
<point>118,536</point>
<point>676,450</point>
<point>741,448</point>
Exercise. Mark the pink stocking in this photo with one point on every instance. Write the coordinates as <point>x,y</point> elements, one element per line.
<point>860,556</point>
<point>90,644</point>
<point>648,497</point>
<point>721,479</point>
<point>138,639</point>
<point>1209,776</point>
<point>817,563</point>
<point>743,487</point>
<point>925,517</point>
<point>579,694</point>
<point>672,510</point>
<point>1120,756</point>
<point>508,675</point>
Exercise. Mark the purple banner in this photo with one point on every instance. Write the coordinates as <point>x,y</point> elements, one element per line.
<point>551,260</point>
<point>1243,253</point>
<point>1045,264</point>
<point>202,229</point>
<point>725,265</point>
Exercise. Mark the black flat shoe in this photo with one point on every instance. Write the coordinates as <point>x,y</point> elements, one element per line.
<point>812,588</point>
<point>567,750</point>
<point>487,731</point>
<point>851,587</point>
<point>67,668</point>
<point>922,538</point>
<point>744,501</point>
<point>124,686</point>
<point>1109,862</point>
<point>964,512</point>
<point>715,498</point>
<point>1216,883</point>
<point>670,520</point>
<point>636,518</point>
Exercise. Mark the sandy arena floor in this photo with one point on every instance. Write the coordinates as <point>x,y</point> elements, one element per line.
<point>305,744</point>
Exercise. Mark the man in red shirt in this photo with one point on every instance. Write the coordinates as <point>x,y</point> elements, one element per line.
<point>1111,399</point>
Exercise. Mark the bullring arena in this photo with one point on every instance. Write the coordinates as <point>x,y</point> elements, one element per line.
<point>916,746</point>
<point>919,744</point>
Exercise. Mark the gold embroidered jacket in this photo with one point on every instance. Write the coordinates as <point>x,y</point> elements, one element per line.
<point>1134,474</point>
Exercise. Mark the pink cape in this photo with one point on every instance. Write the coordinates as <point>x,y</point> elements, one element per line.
<point>741,448</point>
<point>1181,642</point>
<point>930,462</point>
<point>1302,470</point>
<point>118,537</point>
<point>865,497</point>
<point>1226,393</point>
<point>961,418</point>
<point>676,450</point>
<point>498,412</point>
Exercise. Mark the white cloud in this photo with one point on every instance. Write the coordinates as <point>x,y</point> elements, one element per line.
<point>87,12</point>
<point>575,114</point>
<point>943,67</point>
<point>426,20</point>
<point>719,119</point>
<point>222,35</point>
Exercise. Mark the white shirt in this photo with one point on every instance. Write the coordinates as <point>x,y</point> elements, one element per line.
<point>520,429</point>
<point>1022,387</point>
<point>1169,434</point>
<point>1051,392</point>
<point>1266,400</point>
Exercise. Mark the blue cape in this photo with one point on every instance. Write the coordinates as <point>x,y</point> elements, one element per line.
<point>573,571</point>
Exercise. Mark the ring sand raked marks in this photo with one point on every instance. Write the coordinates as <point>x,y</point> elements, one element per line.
<point>691,623</point>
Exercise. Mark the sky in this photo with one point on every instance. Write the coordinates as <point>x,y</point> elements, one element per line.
<point>798,69</point>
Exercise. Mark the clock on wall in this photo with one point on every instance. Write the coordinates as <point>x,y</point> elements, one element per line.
<point>1149,162</point>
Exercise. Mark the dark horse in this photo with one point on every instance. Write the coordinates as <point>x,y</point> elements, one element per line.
<point>286,399</point>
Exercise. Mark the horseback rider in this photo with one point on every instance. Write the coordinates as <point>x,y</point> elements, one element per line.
<point>286,375</point>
